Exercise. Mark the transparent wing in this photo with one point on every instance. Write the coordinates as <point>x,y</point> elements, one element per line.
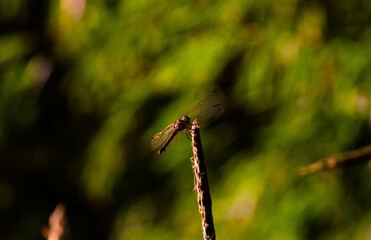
<point>208,109</point>
<point>160,138</point>
<point>209,115</point>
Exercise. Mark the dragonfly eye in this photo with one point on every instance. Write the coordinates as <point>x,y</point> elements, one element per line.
<point>185,119</point>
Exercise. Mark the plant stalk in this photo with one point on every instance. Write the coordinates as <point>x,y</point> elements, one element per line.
<point>201,184</point>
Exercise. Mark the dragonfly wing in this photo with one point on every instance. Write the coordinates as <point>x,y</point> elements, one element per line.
<point>208,109</point>
<point>209,115</point>
<point>160,138</point>
<point>210,100</point>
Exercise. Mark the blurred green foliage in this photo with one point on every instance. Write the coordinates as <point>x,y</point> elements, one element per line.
<point>85,84</point>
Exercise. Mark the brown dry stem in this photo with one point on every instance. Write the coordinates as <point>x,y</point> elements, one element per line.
<point>57,224</point>
<point>344,159</point>
<point>201,184</point>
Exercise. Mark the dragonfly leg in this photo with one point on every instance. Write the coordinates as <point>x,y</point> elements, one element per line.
<point>188,133</point>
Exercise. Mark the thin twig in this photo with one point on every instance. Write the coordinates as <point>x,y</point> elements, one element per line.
<point>201,184</point>
<point>357,156</point>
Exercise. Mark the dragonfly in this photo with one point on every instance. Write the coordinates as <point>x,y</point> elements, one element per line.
<point>205,112</point>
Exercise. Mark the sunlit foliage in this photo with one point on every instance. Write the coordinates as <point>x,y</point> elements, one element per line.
<point>85,84</point>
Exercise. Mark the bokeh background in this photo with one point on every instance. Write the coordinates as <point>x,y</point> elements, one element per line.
<point>85,84</point>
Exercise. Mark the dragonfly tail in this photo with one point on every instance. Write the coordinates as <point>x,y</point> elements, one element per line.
<point>163,149</point>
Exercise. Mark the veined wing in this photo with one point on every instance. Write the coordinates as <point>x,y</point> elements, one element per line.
<point>208,109</point>
<point>160,138</point>
<point>209,115</point>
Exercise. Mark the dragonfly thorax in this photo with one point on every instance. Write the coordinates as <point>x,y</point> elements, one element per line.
<point>182,123</point>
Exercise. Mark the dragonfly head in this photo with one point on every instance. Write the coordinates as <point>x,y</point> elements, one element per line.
<point>186,120</point>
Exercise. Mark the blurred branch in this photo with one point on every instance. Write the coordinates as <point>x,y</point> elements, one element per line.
<point>57,224</point>
<point>344,159</point>
<point>201,184</point>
